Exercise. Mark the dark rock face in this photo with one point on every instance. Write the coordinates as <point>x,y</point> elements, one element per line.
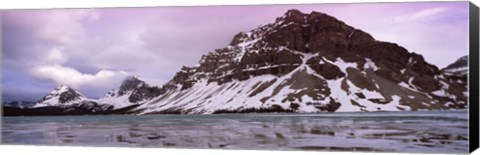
<point>70,95</point>
<point>130,83</point>
<point>85,107</point>
<point>138,89</point>
<point>144,93</point>
<point>327,70</point>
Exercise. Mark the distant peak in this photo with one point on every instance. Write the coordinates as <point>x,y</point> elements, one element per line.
<point>61,94</point>
<point>461,62</point>
<point>131,83</point>
<point>293,12</point>
<point>296,16</point>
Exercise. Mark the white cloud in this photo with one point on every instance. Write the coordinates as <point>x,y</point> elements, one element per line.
<point>64,27</point>
<point>55,55</point>
<point>419,15</point>
<point>72,77</point>
<point>65,36</point>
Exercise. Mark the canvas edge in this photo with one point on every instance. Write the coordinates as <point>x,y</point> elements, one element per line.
<point>1,74</point>
<point>473,77</point>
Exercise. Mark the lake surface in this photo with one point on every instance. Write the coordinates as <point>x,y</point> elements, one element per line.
<point>426,131</point>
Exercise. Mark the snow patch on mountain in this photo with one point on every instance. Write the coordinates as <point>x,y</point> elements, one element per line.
<point>118,101</point>
<point>132,91</point>
<point>61,96</point>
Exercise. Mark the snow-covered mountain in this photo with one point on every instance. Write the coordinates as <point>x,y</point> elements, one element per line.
<point>60,96</point>
<point>308,63</point>
<point>132,92</point>
<point>63,100</point>
<point>458,67</point>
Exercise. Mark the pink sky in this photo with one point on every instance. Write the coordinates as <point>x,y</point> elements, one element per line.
<point>94,49</point>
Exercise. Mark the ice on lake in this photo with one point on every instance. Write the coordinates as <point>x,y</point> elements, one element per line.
<point>415,132</point>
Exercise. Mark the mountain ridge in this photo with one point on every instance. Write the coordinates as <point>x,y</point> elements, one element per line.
<point>460,66</point>
<point>299,63</point>
<point>328,50</point>
<point>132,91</point>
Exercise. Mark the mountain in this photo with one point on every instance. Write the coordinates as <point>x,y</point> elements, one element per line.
<point>308,63</point>
<point>132,91</point>
<point>70,101</point>
<point>63,100</point>
<point>458,67</point>
<point>457,74</point>
<point>60,96</point>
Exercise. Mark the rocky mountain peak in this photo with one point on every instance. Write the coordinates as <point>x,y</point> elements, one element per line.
<point>459,63</point>
<point>131,91</point>
<point>294,12</point>
<point>308,61</point>
<point>293,15</point>
<point>458,68</point>
<point>278,48</point>
<point>130,83</point>
<point>296,16</point>
<point>61,95</point>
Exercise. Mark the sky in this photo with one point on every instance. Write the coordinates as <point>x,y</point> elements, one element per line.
<point>93,50</point>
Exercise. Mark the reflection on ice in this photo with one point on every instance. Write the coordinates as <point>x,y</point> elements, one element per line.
<point>442,131</point>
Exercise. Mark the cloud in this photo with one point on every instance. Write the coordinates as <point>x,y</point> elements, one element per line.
<point>70,76</point>
<point>65,26</point>
<point>42,47</point>
<point>55,55</point>
<point>421,15</point>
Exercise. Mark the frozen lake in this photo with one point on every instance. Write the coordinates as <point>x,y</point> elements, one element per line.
<point>426,131</point>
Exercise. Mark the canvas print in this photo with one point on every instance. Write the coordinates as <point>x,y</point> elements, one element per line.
<point>368,77</point>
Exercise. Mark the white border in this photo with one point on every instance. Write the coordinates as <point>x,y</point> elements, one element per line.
<point>42,4</point>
